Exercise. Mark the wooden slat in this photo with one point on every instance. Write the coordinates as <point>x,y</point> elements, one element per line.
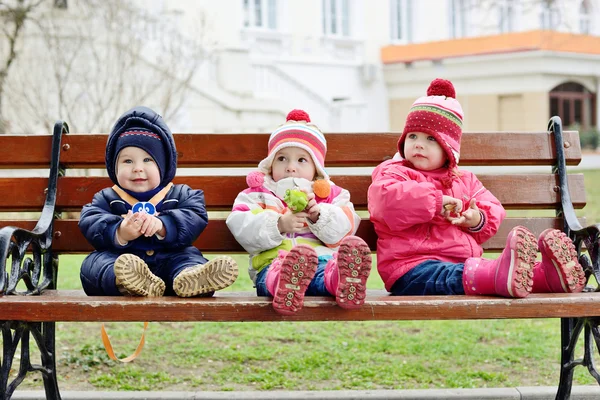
<point>526,191</point>
<point>218,239</point>
<point>68,305</point>
<point>344,149</point>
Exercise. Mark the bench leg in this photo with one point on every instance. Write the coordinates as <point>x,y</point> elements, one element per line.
<point>43,333</point>
<point>571,329</point>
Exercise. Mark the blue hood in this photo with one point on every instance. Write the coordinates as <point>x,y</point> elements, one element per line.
<point>142,117</point>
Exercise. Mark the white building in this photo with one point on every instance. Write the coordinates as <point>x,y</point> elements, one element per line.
<point>514,63</point>
<point>357,65</point>
<point>270,56</point>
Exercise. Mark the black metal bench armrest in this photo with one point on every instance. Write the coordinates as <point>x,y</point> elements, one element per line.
<point>588,238</point>
<point>16,242</point>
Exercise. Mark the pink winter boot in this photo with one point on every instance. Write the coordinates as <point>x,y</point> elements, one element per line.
<point>559,271</point>
<point>346,274</point>
<point>511,274</point>
<point>289,276</point>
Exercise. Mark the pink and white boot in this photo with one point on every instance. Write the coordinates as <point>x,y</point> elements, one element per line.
<point>559,271</point>
<point>510,275</point>
<point>289,276</point>
<point>347,273</point>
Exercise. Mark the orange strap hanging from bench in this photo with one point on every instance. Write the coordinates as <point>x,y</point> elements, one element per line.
<point>109,348</point>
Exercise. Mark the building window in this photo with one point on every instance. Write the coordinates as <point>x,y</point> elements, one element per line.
<point>260,14</point>
<point>401,19</point>
<point>336,18</point>
<point>506,16</point>
<point>459,11</point>
<point>584,17</point>
<point>574,104</point>
<point>549,16</point>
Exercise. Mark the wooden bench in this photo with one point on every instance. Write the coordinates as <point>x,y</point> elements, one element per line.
<point>35,314</point>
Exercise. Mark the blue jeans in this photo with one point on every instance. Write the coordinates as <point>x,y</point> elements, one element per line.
<point>316,287</point>
<point>430,278</point>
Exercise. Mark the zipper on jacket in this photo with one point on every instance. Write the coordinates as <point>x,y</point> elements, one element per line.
<point>293,237</point>
<point>427,234</point>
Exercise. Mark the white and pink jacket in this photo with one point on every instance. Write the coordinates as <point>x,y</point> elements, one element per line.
<point>256,211</point>
<point>405,207</point>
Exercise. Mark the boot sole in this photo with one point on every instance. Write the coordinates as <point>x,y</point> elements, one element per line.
<point>354,267</point>
<point>216,274</point>
<point>297,270</point>
<point>133,277</point>
<point>561,251</point>
<point>523,252</point>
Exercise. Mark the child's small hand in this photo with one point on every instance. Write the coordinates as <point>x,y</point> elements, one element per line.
<point>312,208</point>
<point>451,206</point>
<point>470,218</point>
<point>129,229</point>
<point>151,225</point>
<point>291,223</point>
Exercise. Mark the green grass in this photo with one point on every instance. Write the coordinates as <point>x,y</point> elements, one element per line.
<point>592,189</point>
<point>312,355</point>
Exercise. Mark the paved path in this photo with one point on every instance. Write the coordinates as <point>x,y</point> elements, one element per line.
<point>518,393</point>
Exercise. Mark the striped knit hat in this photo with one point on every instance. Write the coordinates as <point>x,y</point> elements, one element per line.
<point>297,132</point>
<point>440,115</point>
<point>145,140</point>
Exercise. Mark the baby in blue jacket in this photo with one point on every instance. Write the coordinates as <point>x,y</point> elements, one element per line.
<point>143,227</point>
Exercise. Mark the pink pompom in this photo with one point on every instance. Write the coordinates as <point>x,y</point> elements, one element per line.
<point>297,115</point>
<point>255,179</point>
<point>441,87</point>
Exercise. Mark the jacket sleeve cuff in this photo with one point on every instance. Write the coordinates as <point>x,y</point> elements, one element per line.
<point>325,218</point>
<point>273,228</point>
<point>170,227</point>
<point>118,242</point>
<point>481,223</point>
<point>111,236</point>
<point>439,201</point>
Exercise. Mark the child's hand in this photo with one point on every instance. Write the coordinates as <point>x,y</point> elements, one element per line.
<point>291,223</point>
<point>129,229</point>
<point>312,208</point>
<point>451,207</point>
<point>151,225</point>
<point>470,218</point>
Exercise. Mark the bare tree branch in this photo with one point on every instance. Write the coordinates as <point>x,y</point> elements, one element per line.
<point>132,57</point>
<point>13,14</point>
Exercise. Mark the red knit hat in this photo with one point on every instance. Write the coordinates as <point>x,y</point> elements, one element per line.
<point>440,115</point>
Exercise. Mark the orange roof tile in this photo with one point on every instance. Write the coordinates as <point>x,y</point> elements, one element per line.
<point>504,43</point>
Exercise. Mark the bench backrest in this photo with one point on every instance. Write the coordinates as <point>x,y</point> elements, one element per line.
<point>228,152</point>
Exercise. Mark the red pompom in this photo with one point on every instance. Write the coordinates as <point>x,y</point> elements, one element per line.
<point>297,115</point>
<point>441,87</point>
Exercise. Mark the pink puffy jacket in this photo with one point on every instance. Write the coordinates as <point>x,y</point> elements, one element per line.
<point>405,206</point>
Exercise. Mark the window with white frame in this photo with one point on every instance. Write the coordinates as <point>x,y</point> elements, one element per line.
<point>400,21</point>
<point>459,15</point>
<point>507,16</point>
<point>549,16</point>
<point>336,18</point>
<point>261,14</point>
<point>585,17</point>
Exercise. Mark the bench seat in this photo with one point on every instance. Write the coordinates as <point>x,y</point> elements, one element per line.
<point>75,306</point>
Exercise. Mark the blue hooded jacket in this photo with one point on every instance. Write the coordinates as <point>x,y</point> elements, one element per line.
<point>182,211</point>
